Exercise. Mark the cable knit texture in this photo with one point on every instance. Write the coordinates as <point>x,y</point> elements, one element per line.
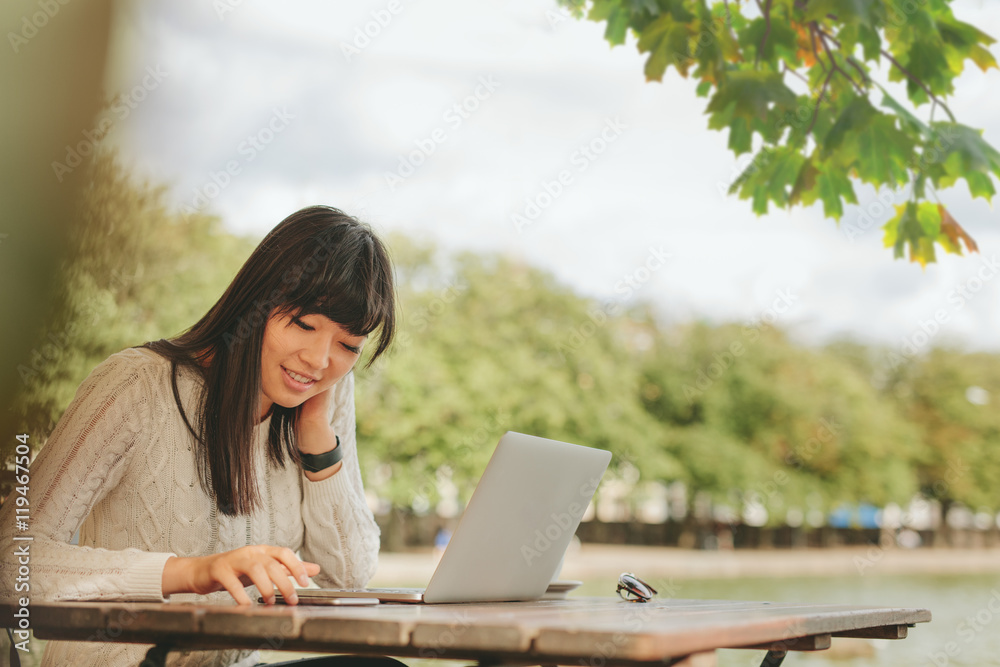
<point>120,467</point>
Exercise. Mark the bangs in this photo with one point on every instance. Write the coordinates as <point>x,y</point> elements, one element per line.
<point>351,285</point>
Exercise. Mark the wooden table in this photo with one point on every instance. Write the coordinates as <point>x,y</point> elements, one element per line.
<point>600,632</point>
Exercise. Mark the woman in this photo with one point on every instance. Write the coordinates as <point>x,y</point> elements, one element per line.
<point>202,464</point>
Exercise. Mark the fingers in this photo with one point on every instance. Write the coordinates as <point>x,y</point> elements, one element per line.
<point>318,408</point>
<point>232,583</point>
<point>279,576</point>
<point>266,567</point>
<point>296,567</point>
<point>260,577</point>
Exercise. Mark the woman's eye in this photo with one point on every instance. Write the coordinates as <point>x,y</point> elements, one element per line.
<point>302,325</point>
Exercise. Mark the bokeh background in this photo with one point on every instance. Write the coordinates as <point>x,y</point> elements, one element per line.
<point>772,383</point>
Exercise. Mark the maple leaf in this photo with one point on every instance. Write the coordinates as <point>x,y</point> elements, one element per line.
<point>751,93</point>
<point>960,151</point>
<point>954,233</point>
<point>667,43</point>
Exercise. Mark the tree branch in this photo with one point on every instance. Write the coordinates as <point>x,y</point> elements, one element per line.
<point>864,75</point>
<point>789,70</point>
<point>767,29</point>
<point>833,61</point>
<point>920,83</point>
<point>819,101</point>
<point>812,38</point>
<point>850,60</point>
<point>934,99</point>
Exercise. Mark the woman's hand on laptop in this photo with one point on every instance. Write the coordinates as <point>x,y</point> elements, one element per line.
<point>263,566</point>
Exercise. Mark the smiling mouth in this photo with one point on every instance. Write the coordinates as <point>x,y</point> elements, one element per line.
<point>302,379</point>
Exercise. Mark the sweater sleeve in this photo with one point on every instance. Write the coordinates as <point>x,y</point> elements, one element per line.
<point>84,458</point>
<point>340,531</point>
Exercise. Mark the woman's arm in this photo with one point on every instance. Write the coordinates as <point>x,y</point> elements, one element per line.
<point>84,458</point>
<point>340,531</point>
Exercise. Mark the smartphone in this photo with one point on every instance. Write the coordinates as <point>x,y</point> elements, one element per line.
<point>330,602</point>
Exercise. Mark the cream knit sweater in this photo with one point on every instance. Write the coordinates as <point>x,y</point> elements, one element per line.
<point>120,467</point>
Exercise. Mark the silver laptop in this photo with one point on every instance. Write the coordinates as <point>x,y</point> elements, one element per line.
<point>514,531</point>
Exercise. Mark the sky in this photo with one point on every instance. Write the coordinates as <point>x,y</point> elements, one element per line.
<point>511,127</point>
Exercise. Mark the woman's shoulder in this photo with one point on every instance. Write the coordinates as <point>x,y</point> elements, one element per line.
<point>125,386</point>
<point>134,360</point>
<point>131,366</point>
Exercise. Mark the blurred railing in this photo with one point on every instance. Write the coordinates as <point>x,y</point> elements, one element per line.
<point>403,530</point>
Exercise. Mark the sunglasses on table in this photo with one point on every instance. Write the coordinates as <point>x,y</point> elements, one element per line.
<point>634,589</point>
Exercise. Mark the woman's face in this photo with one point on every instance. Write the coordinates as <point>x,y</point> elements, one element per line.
<point>302,357</point>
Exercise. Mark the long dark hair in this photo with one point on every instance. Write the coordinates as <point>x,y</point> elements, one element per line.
<point>317,260</point>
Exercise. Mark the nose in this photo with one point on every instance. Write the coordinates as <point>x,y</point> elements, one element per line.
<point>317,353</point>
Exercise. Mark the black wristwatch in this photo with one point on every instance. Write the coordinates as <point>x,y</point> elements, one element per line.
<point>317,462</point>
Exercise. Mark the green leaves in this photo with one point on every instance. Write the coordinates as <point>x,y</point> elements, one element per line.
<point>740,136</point>
<point>925,61</point>
<point>868,143</point>
<point>782,40</point>
<point>833,188</point>
<point>750,94</point>
<point>962,40</point>
<point>793,80</point>
<point>917,227</point>
<point>666,41</point>
<point>853,35</point>
<point>956,151</point>
<point>770,177</point>
<point>617,17</point>
<point>881,152</point>
<point>907,120</point>
<point>863,12</point>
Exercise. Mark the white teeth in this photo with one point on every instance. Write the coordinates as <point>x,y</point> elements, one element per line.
<point>299,378</point>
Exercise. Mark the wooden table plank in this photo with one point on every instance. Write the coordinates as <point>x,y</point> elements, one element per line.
<point>811,643</point>
<point>600,630</point>
<point>493,628</point>
<point>369,631</point>
<point>886,632</point>
<point>673,627</point>
<point>254,622</point>
<point>107,621</point>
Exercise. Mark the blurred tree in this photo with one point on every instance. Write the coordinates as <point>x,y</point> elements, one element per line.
<point>52,76</point>
<point>950,397</point>
<point>751,412</point>
<point>136,272</point>
<point>794,78</point>
<point>488,344</point>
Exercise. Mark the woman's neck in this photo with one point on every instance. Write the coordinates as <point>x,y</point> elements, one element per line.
<point>266,408</point>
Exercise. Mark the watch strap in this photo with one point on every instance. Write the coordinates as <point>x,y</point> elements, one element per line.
<point>318,462</point>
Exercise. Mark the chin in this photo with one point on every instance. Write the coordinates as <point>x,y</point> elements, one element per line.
<point>291,402</point>
<point>285,401</point>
